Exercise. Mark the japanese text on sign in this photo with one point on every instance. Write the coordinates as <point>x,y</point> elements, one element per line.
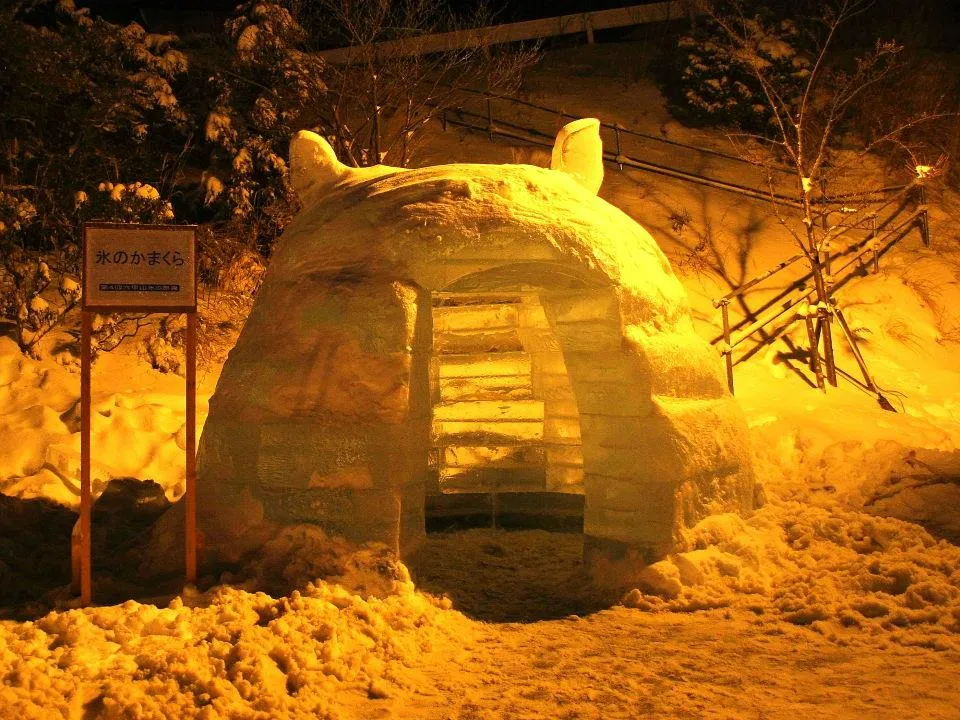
<point>152,257</point>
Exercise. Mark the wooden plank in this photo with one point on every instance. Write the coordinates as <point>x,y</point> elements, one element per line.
<point>474,317</point>
<point>486,341</point>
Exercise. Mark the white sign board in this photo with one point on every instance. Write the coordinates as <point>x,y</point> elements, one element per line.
<point>144,268</point>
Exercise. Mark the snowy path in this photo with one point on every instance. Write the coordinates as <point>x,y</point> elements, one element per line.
<point>621,663</point>
<point>625,663</point>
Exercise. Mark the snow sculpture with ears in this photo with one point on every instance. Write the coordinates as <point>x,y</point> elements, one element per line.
<point>323,413</point>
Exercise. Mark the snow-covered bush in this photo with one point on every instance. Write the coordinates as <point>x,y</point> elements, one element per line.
<point>135,202</point>
<point>268,90</point>
<point>83,100</point>
<point>25,277</point>
<point>710,82</point>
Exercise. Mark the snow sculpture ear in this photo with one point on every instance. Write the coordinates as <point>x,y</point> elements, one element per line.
<point>578,151</point>
<point>314,167</point>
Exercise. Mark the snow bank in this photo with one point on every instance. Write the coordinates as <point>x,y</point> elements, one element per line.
<point>838,571</point>
<point>232,652</point>
<point>138,425</point>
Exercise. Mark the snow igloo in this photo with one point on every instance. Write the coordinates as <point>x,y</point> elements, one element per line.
<point>468,327</point>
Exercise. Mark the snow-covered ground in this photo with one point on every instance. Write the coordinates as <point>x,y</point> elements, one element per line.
<point>840,596</point>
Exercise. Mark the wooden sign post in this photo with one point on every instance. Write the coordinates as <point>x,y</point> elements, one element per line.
<point>137,268</point>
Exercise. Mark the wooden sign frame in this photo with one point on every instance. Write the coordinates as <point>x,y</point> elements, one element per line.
<point>82,556</point>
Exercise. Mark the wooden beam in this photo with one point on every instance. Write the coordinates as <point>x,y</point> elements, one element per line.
<point>86,576</point>
<point>515,32</point>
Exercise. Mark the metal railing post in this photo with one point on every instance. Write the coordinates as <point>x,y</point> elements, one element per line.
<point>616,130</point>
<point>489,119</point>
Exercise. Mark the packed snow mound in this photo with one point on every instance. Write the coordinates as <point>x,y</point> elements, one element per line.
<point>232,652</point>
<point>838,571</point>
<point>298,554</point>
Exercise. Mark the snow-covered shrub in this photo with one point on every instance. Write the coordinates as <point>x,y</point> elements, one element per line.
<point>165,349</point>
<point>84,100</point>
<point>134,202</point>
<point>710,82</point>
<point>25,277</point>
<point>267,91</point>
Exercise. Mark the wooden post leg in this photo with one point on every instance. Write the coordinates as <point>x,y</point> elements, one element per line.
<point>861,363</point>
<point>813,340</point>
<point>727,350</point>
<point>190,497</point>
<point>924,219</point>
<point>86,575</point>
<point>826,324</point>
<point>828,355</point>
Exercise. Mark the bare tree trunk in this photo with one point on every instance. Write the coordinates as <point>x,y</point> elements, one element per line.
<point>824,314</point>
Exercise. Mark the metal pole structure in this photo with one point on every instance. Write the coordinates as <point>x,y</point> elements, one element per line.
<point>191,452</point>
<point>376,124</point>
<point>727,349</point>
<point>616,130</point>
<point>924,220</point>
<point>489,119</point>
<point>873,244</point>
<point>86,575</point>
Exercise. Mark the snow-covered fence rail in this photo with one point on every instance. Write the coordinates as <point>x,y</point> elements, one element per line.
<point>586,23</point>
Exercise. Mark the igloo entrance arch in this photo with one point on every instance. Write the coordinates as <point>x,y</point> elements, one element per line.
<point>505,415</point>
<point>332,403</point>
